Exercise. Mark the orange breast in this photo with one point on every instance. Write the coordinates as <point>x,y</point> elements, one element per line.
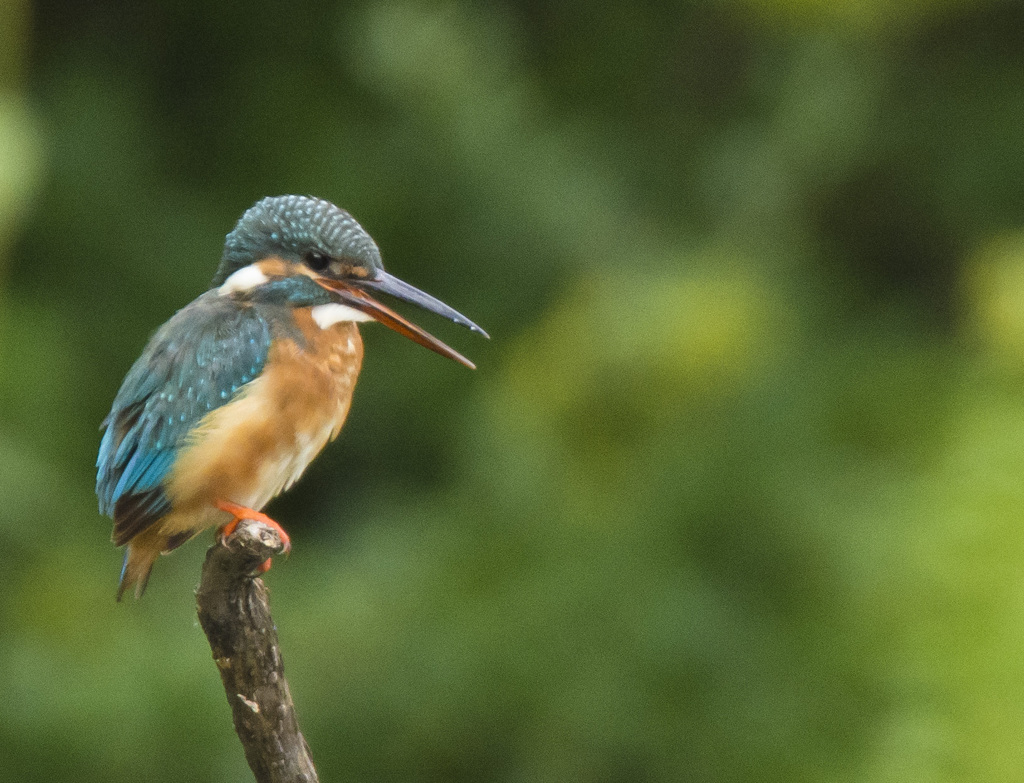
<point>259,444</point>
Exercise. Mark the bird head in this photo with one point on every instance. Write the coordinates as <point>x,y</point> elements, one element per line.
<point>307,251</point>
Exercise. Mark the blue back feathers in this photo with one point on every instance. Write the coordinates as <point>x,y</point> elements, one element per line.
<point>195,363</point>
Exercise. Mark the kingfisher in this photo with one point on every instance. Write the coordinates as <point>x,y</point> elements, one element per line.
<point>236,394</point>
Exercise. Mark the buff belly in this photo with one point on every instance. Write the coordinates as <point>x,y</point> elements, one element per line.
<point>259,444</point>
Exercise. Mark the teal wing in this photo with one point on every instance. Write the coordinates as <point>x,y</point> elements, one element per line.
<point>195,363</point>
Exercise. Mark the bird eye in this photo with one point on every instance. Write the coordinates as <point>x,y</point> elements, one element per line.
<point>317,261</point>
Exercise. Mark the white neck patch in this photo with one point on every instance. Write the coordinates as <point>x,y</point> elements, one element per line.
<point>327,315</point>
<point>243,280</point>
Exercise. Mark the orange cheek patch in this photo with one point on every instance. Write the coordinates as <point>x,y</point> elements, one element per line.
<point>277,267</point>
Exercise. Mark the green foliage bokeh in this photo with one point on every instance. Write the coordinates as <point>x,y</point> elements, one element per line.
<point>736,493</point>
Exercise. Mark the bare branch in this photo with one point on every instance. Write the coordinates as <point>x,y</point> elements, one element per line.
<point>234,611</point>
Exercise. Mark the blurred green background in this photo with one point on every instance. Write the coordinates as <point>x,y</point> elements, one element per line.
<point>737,493</point>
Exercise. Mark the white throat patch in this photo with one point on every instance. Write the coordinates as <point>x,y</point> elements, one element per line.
<point>242,280</point>
<point>327,315</point>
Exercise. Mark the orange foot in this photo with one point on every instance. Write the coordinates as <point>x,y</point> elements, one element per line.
<point>241,512</point>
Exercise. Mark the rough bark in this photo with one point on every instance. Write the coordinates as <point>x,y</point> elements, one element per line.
<point>234,611</point>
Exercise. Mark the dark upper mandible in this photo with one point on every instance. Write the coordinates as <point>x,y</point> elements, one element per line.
<point>290,227</point>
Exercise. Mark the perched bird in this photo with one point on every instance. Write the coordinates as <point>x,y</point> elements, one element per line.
<point>237,393</point>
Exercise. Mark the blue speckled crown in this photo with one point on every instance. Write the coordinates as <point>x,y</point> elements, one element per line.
<point>289,226</point>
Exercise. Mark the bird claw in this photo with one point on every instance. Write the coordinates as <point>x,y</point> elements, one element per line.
<point>241,512</point>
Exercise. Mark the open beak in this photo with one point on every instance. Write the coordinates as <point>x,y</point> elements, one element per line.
<point>355,293</point>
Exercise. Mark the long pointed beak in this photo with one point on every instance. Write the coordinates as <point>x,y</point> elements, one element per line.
<point>389,284</point>
<point>354,293</point>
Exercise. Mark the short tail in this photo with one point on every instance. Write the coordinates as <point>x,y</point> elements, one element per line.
<point>138,564</point>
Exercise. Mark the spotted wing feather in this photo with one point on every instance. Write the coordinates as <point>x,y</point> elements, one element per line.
<point>194,364</point>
